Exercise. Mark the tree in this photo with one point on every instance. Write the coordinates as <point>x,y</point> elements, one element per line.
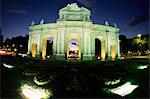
<point>141,43</point>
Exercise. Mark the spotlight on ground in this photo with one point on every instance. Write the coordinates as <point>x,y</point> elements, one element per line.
<point>122,90</point>
<point>31,92</point>
<point>142,67</point>
<point>40,83</point>
<point>125,89</point>
<point>8,66</point>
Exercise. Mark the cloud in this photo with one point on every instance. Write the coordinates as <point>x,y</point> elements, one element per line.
<point>87,3</point>
<point>136,21</point>
<point>18,12</point>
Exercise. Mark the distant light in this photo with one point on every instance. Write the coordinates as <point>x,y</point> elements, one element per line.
<point>13,45</point>
<point>8,66</point>
<point>139,35</point>
<point>20,45</point>
<point>125,89</point>
<point>15,49</point>
<point>22,55</point>
<point>98,57</point>
<point>31,92</point>
<point>48,56</point>
<point>122,57</point>
<point>142,67</point>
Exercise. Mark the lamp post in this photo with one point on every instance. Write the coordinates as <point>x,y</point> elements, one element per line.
<point>139,35</point>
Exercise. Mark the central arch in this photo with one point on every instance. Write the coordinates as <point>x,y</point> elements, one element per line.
<point>73,46</point>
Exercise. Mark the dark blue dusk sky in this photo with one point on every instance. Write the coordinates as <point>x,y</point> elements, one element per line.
<point>132,16</point>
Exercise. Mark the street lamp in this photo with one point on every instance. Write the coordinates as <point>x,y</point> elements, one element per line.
<point>139,35</point>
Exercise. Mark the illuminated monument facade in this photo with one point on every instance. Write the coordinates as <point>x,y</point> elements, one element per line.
<point>73,36</point>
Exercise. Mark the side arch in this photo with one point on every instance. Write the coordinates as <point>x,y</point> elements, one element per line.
<point>44,45</point>
<point>113,51</point>
<point>34,49</point>
<point>103,46</point>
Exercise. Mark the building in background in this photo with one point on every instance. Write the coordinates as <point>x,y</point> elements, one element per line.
<point>17,44</point>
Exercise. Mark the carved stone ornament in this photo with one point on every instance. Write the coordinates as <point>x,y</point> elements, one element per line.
<point>73,7</point>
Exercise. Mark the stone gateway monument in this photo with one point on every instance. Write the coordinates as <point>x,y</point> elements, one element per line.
<point>73,36</point>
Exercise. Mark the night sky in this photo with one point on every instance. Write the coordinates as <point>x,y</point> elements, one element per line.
<point>130,15</point>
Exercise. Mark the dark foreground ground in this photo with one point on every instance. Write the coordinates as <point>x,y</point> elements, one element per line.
<point>75,79</point>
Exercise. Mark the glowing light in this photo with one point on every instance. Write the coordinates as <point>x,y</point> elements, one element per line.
<point>40,83</point>
<point>103,59</point>
<point>125,89</point>
<point>34,46</point>
<point>103,50</point>
<point>15,49</point>
<point>22,55</point>
<point>122,58</point>
<point>139,35</point>
<point>8,66</point>
<point>48,56</point>
<point>142,67</point>
<point>31,92</point>
<point>113,51</point>
<point>20,45</point>
<point>112,82</point>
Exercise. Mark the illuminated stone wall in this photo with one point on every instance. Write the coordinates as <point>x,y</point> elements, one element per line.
<point>74,22</point>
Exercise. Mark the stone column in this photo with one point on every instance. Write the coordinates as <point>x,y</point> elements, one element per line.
<point>93,44</point>
<point>87,46</point>
<point>40,40</point>
<point>107,41</point>
<point>58,42</point>
<point>108,45</point>
<point>85,42</point>
<point>89,43</point>
<point>38,45</point>
<point>109,52</point>
<point>62,41</point>
<point>29,44</point>
<point>54,43</point>
<point>118,46</point>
